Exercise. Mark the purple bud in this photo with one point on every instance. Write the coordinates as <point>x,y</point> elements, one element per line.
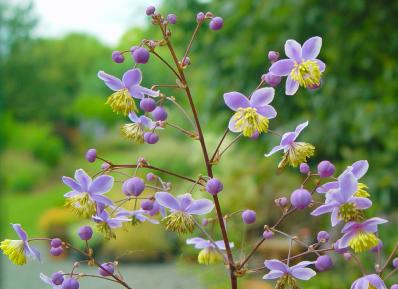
<point>85,233</point>
<point>150,10</point>
<point>147,104</point>
<point>159,114</point>
<point>377,248</point>
<point>56,251</point>
<point>133,48</point>
<point>271,79</point>
<point>109,269</point>
<point>249,216</point>
<point>255,135</point>
<point>281,202</point>
<point>186,61</point>
<point>133,187</point>
<point>304,168</point>
<point>117,57</point>
<point>347,256</point>
<point>323,263</point>
<point>394,286</point>
<point>151,137</point>
<point>205,222</point>
<point>323,236</point>
<point>147,205</point>
<point>91,155</point>
<point>216,23</point>
<point>267,234</point>
<point>172,18</point>
<point>301,198</point>
<point>150,176</point>
<point>70,283</point>
<point>326,169</point>
<point>141,55</point>
<point>214,186</point>
<point>200,17</point>
<point>105,166</point>
<point>395,262</point>
<point>57,278</point>
<point>57,242</point>
<point>273,56</point>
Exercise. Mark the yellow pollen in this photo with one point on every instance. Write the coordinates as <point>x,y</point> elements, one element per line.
<point>179,222</point>
<point>82,205</point>
<point>363,241</point>
<point>134,132</point>
<point>249,121</point>
<point>286,281</point>
<point>122,102</point>
<point>104,228</point>
<point>14,250</point>
<point>209,256</point>
<point>349,212</point>
<point>298,153</point>
<point>362,191</point>
<point>306,73</point>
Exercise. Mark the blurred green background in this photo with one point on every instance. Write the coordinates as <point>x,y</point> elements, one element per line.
<point>52,109</point>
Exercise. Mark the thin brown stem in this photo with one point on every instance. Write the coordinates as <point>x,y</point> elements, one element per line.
<point>191,41</point>
<point>219,145</point>
<point>165,62</point>
<point>389,259</point>
<point>184,131</point>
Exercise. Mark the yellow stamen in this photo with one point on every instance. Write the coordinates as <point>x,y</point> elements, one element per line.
<point>362,191</point>
<point>104,228</point>
<point>209,256</point>
<point>122,102</point>
<point>363,241</point>
<point>249,121</point>
<point>14,250</point>
<point>349,212</point>
<point>298,153</point>
<point>286,281</point>
<point>306,73</point>
<point>179,222</point>
<point>82,205</point>
<point>134,132</point>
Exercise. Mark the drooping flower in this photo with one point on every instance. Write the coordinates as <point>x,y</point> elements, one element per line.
<point>105,222</point>
<point>251,115</point>
<point>209,253</point>
<point>295,153</point>
<point>287,275</point>
<point>302,68</point>
<point>360,236</point>
<point>86,193</point>
<point>142,216</point>
<point>342,203</point>
<point>50,281</point>
<point>182,208</point>
<point>18,250</point>
<point>372,281</point>
<point>135,130</point>
<point>121,101</point>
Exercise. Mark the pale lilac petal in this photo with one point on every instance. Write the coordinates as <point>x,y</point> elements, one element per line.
<point>360,168</point>
<point>83,179</point>
<point>185,200</point>
<point>20,232</point>
<point>334,217</point>
<point>146,121</point>
<point>293,50</point>
<point>303,273</point>
<point>133,117</point>
<point>46,279</point>
<point>321,64</point>
<point>361,283</point>
<point>101,185</point>
<point>261,97</point>
<point>71,183</point>
<point>301,265</point>
<point>167,200</point>
<point>327,208</point>
<point>200,207</point>
<point>350,226</point>
<point>111,81</point>
<point>235,100</point>
<point>282,67</point>
<point>327,187</point>
<point>149,92</point>
<point>371,224</point>
<point>376,281</point>
<point>231,126</point>
<point>362,203</point>
<point>300,128</point>
<point>348,186</point>
<point>197,241</point>
<point>312,47</point>
<point>102,199</point>
<point>32,252</point>
<point>221,245</point>
<point>344,241</point>
<point>291,86</point>
<point>275,264</point>
<point>132,77</point>
<point>268,111</point>
<point>288,138</point>
<point>274,150</point>
<point>136,92</point>
<point>71,194</point>
<point>274,274</point>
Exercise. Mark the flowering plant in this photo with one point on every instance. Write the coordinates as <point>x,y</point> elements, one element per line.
<point>344,197</point>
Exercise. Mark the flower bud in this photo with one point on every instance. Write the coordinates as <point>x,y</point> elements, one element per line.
<point>205,222</point>
<point>323,237</point>
<point>216,23</point>
<point>271,79</point>
<point>150,176</point>
<point>117,57</point>
<point>214,186</point>
<point>151,137</point>
<point>91,155</point>
<point>57,242</point>
<point>70,283</point>
<point>200,17</point>
<point>394,286</point>
<point>133,187</point>
<point>159,113</point>
<point>186,61</point>
<point>85,233</point>
<point>323,263</point>
<point>147,205</point>
<point>57,278</point>
<point>147,104</point>
<point>109,269</point>
<point>281,202</point>
<point>300,198</point>
<point>268,234</point>
<point>105,166</point>
<point>56,251</point>
<point>141,55</point>
<point>249,216</point>
<point>172,18</point>
<point>304,168</point>
<point>273,56</point>
<point>150,10</point>
<point>395,263</point>
<point>326,169</point>
<point>347,256</point>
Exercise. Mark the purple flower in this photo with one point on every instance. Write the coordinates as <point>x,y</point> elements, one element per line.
<point>295,153</point>
<point>341,202</point>
<point>50,281</point>
<point>105,222</point>
<point>301,68</point>
<point>18,250</point>
<point>121,101</point>
<point>142,216</point>
<point>209,254</point>
<point>286,274</point>
<point>182,208</point>
<point>135,130</point>
<point>216,23</point>
<point>86,193</point>
<point>323,263</point>
<point>360,236</point>
<point>369,281</point>
<point>251,115</point>
<point>301,199</point>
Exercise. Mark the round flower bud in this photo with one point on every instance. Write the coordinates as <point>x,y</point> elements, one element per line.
<point>216,23</point>
<point>57,242</point>
<point>205,222</point>
<point>323,263</point>
<point>281,202</point>
<point>267,234</point>
<point>56,251</point>
<point>151,137</point>
<point>150,10</point>
<point>347,256</point>
<point>323,236</point>
<point>159,114</point>
<point>147,205</point>
<point>91,155</point>
<point>117,57</point>
<point>109,269</point>
<point>326,169</point>
<point>172,18</point>
<point>271,79</point>
<point>70,283</point>
<point>133,48</point>
<point>200,17</point>
<point>249,216</point>
<point>186,61</point>
<point>394,286</point>
<point>150,176</point>
<point>85,233</point>
<point>147,104</point>
<point>105,166</point>
<point>273,56</point>
<point>214,186</point>
<point>141,55</point>
<point>300,199</point>
<point>395,262</point>
<point>304,168</point>
<point>133,187</point>
<point>57,278</point>
<point>377,248</point>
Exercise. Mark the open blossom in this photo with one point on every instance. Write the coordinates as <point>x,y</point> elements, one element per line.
<point>105,222</point>
<point>342,202</point>
<point>295,153</point>
<point>86,193</point>
<point>251,115</point>
<point>182,208</point>
<point>372,281</point>
<point>140,216</point>
<point>360,236</point>
<point>302,68</point>
<point>135,130</point>
<point>18,250</point>
<point>121,100</point>
<point>209,253</point>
